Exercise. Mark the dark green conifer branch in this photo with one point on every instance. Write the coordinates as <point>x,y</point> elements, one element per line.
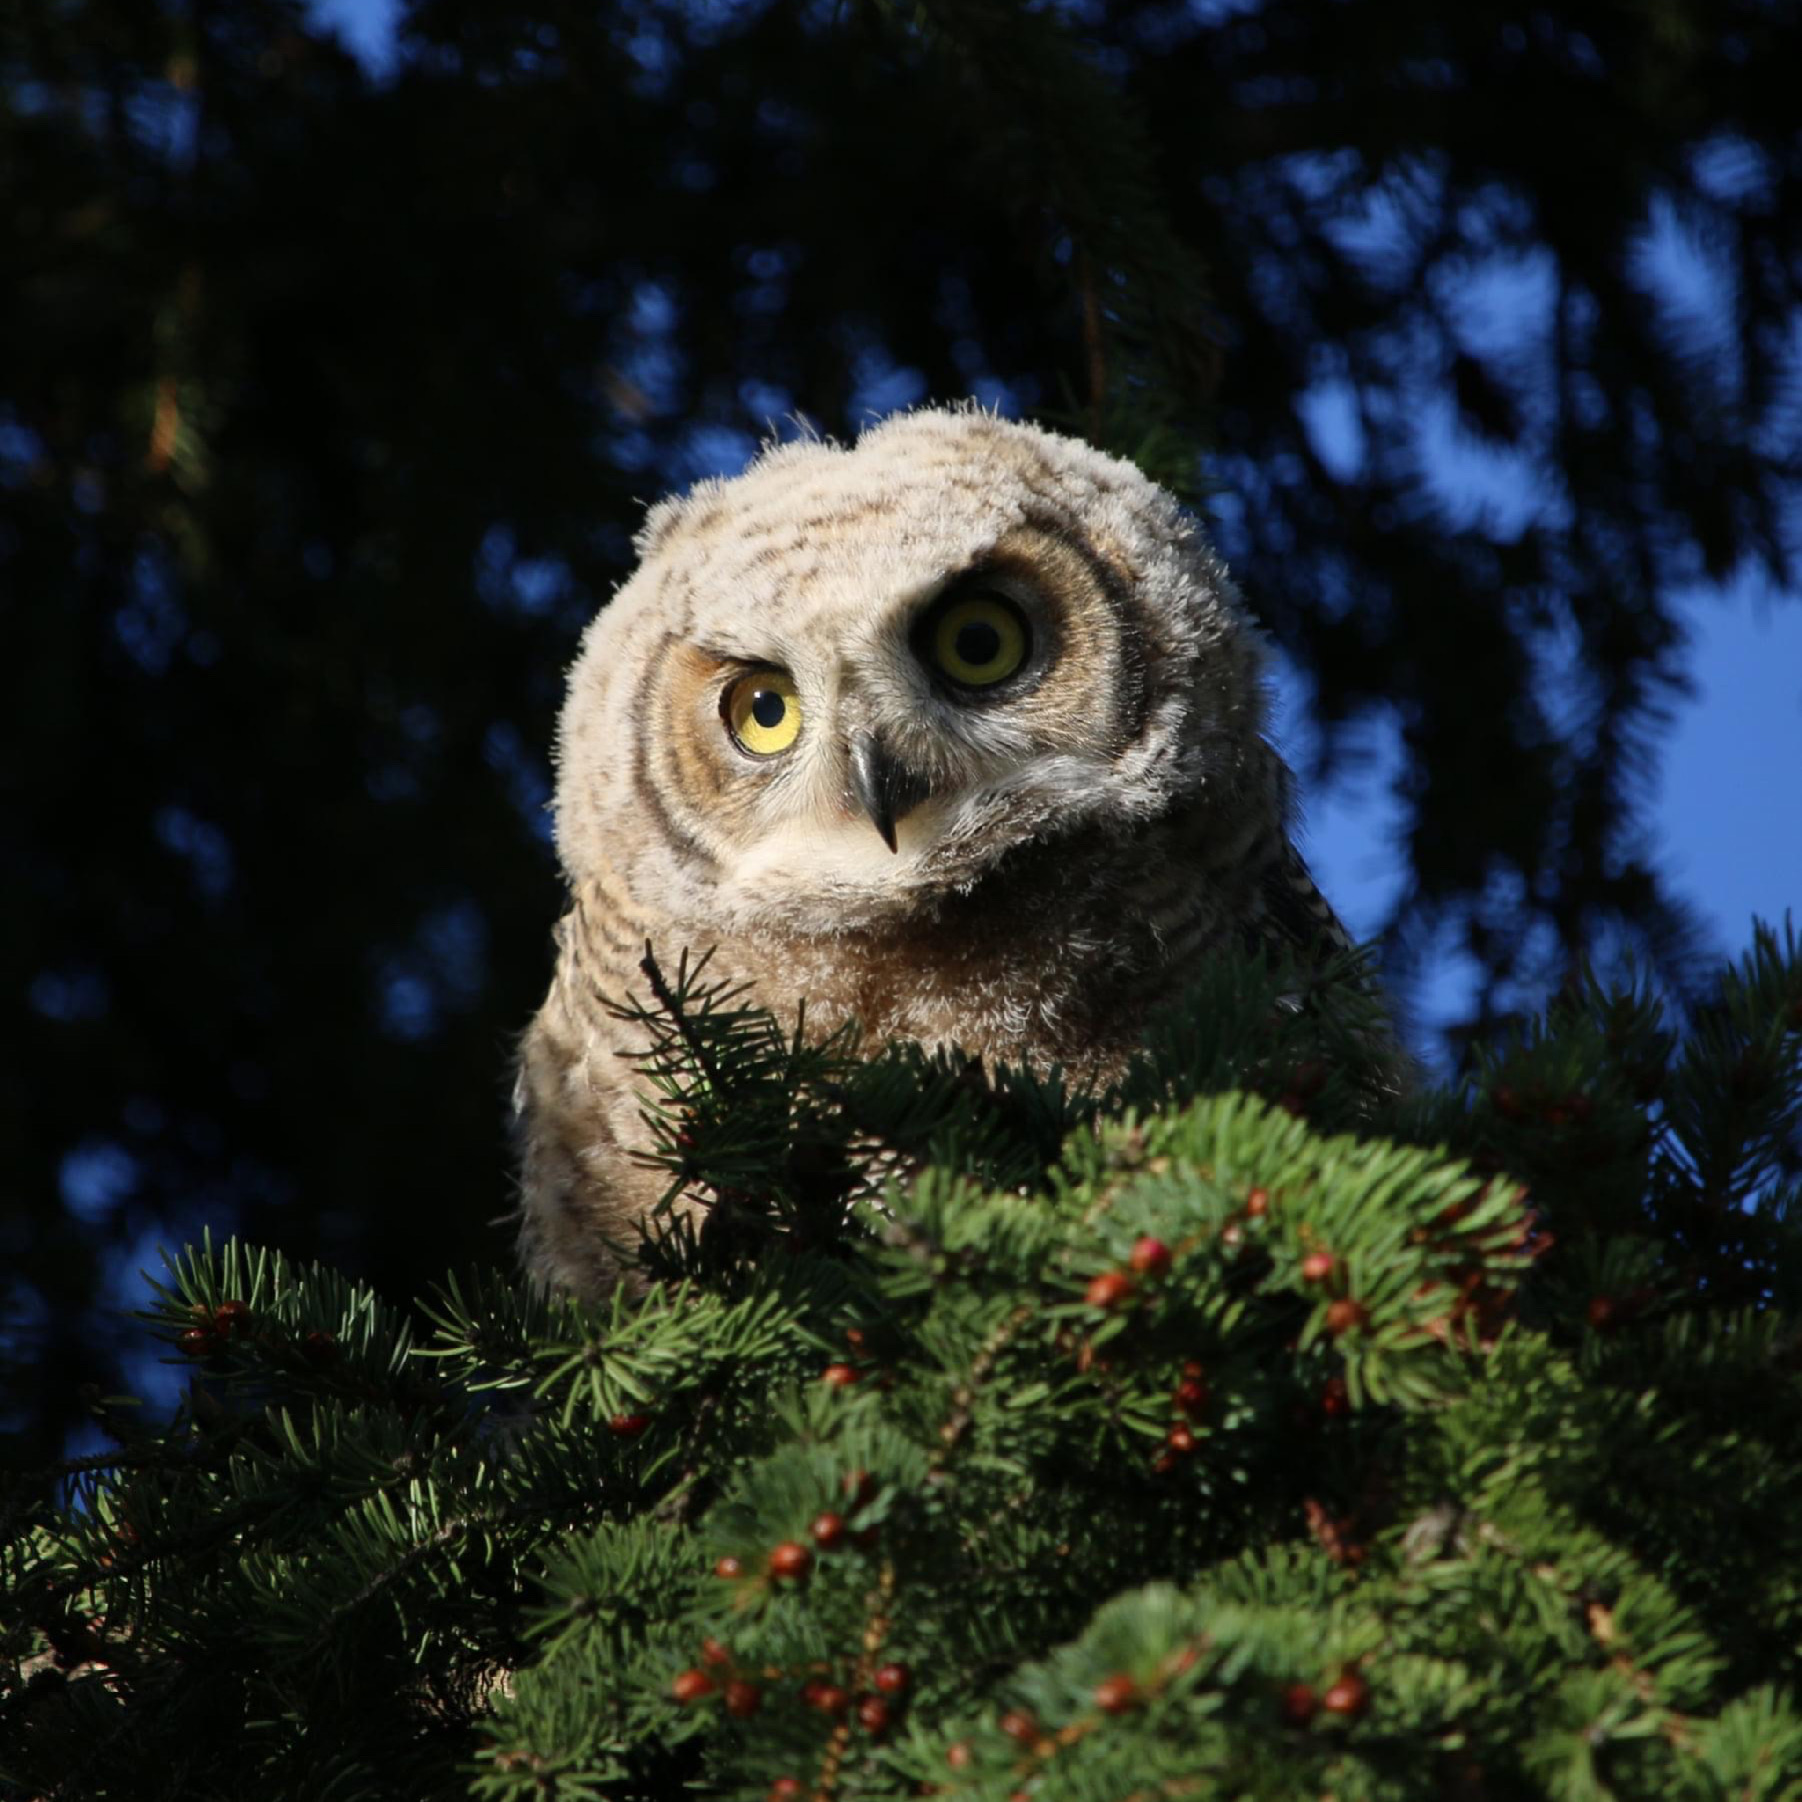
<point>1062,150</point>
<point>1247,1431</point>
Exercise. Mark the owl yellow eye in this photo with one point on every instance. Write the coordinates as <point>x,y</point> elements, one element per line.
<point>763,712</point>
<point>980,640</point>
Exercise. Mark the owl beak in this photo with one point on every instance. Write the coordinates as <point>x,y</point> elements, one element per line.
<point>886,789</point>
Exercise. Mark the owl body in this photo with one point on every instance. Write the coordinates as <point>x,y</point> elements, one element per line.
<point>956,733</point>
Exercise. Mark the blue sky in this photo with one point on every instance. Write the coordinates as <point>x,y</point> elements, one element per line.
<point>1731,806</point>
<point>365,26</point>
<point>1727,821</point>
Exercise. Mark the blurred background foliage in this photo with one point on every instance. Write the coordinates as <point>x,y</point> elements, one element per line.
<point>328,401</point>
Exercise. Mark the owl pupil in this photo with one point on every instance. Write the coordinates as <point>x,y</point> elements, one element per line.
<point>978,643</point>
<point>767,708</point>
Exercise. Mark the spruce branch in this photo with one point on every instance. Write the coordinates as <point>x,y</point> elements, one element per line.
<point>1272,1441</point>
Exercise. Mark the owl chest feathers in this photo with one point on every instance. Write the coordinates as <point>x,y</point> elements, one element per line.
<point>1058,958</point>
<point>1055,957</point>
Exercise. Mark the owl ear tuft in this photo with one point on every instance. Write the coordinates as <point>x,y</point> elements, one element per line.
<point>671,514</point>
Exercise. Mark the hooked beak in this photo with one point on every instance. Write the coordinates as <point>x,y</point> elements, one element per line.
<point>885,788</point>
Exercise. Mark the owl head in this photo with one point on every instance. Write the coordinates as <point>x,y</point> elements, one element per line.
<point>851,682</point>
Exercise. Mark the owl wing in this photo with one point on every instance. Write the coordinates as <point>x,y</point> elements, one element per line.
<point>1291,914</point>
<point>1288,912</point>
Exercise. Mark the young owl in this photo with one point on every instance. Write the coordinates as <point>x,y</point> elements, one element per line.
<point>957,733</point>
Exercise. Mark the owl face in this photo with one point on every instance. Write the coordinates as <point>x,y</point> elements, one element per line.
<point>851,682</point>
